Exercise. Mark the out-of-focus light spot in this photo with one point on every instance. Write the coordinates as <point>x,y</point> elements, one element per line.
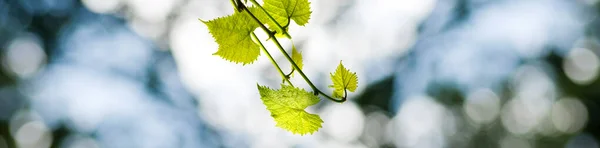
<point>581,65</point>
<point>482,106</point>
<point>569,115</point>
<point>20,118</point>
<point>531,83</point>
<point>29,131</point>
<point>518,116</point>
<point>418,123</point>
<point>375,126</point>
<point>534,95</point>
<point>582,141</point>
<point>152,10</point>
<point>514,142</point>
<point>33,134</point>
<point>24,56</point>
<point>78,141</point>
<point>345,122</point>
<point>102,6</point>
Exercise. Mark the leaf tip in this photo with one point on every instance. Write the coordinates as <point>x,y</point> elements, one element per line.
<point>203,21</point>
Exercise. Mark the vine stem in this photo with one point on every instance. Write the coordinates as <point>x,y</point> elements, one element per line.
<point>272,35</point>
<point>289,75</point>
<point>285,78</point>
<point>272,19</point>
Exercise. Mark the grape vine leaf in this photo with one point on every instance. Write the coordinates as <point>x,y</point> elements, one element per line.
<point>232,33</point>
<point>284,10</point>
<point>343,80</point>
<point>287,108</point>
<point>297,58</point>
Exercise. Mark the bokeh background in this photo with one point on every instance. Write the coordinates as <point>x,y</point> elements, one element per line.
<point>432,73</point>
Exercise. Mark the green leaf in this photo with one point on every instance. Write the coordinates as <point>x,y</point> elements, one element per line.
<point>284,10</point>
<point>287,108</point>
<point>343,80</point>
<point>297,58</point>
<point>232,33</point>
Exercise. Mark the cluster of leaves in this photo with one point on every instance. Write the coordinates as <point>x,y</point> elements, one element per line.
<point>238,44</point>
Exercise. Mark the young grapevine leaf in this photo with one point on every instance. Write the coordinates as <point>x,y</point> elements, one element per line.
<point>297,58</point>
<point>287,108</point>
<point>284,10</point>
<point>343,80</point>
<point>232,33</point>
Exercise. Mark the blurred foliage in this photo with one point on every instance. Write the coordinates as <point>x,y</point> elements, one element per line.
<point>378,95</point>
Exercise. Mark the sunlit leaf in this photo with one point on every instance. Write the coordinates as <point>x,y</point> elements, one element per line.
<point>287,108</point>
<point>232,33</point>
<point>343,80</point>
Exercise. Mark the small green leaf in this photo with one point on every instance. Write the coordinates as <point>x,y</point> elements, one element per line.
<point>343,80</point>
<point>232,33</point>
<point>287,108</point>
<point>297,58</point>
